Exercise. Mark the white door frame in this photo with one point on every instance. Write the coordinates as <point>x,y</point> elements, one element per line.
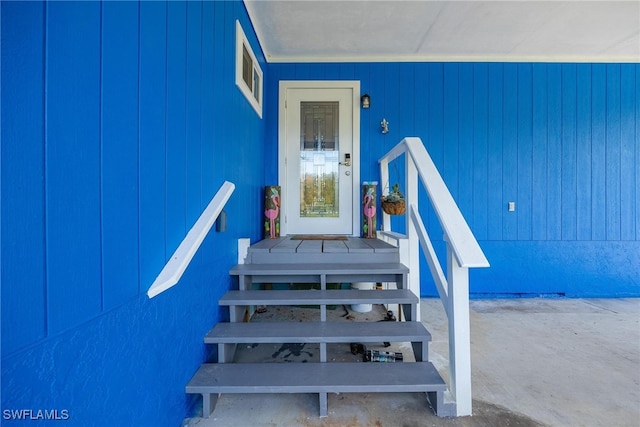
<point>355,154</point>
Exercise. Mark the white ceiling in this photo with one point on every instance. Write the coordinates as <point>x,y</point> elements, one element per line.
<point>402,30</point>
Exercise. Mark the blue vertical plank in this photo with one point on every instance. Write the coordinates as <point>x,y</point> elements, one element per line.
<point>613,152</point>
<point>347,71</point>
<point>406,108</point>
<point>583,153</point>
<point>598,151</point>
<point>569,197</point>
<point>435,114</point>
<point>539,153</point>
<point>437,139</point>
<point>368,166</point>
<point>465,143</point>
<point>285,71</point>
<point>328,71</point>
<point>222,91</point>
<point>119,152</point>
<point>393,100</point>
<point>272,91</point>
<point>403,77</point>
<point>435,128</point>
<point>636,106</point>
<point>176,125</point>
<point>320,71</point>
<point>480,151</point>
<point>152,152</point>
<point>368,131</point>
<point>304,71</point>
<point>525,151</point>
<point>194,202</point>
<point>210,183</point>
<point>510,151</point>
<point>628,170</point>
<point>421,129</point>
<point>554,165</point>
<point>377,110</point>
<point>392,105</point>
<point>225,18</point>
<point>449,170</point>
<point>73,163</point>
<point>332,71</point>
<point>23,166</point>
<point>208,101</point>
<point>496,206</point>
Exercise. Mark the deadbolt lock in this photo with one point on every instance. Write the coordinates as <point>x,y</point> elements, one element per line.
<point>347,160</point>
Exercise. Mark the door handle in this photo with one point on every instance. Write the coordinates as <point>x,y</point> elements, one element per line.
<point>347,160</point>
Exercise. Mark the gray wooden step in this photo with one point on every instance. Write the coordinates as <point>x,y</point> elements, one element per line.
<point>322,297</point>
<point>227,335</point>
<point>352,250</point>
<point>317,332</point>
<point>319,268</point>
<point>321,378</point>
<point>322,273</point>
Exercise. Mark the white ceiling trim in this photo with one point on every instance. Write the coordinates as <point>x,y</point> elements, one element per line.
<point>453,58</point>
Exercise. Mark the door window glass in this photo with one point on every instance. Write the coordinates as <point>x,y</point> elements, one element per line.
<point>319,159</point>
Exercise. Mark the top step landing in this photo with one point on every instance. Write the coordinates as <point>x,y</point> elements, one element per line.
<point>321,249</point>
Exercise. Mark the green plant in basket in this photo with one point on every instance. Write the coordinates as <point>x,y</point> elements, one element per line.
<point>394,203</point>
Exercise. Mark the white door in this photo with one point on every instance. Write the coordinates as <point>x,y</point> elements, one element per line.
<point>318,157</point>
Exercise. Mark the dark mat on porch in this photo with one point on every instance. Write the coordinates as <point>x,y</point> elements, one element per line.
<point>318,237</point>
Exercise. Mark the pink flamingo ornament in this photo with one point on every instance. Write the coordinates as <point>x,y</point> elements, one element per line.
<point>369,212</point>
<point>272,214</point>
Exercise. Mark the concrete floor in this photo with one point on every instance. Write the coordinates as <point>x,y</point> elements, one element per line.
<point>535,362</point>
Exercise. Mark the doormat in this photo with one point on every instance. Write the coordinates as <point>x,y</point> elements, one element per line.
<point>318,237</point>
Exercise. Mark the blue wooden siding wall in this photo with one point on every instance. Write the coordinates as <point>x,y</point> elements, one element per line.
<point>120,121</point>
<point>560,140</point>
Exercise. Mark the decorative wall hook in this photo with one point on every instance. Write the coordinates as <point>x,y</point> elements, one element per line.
<point>385,125</point>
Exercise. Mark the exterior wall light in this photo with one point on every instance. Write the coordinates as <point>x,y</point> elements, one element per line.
<point>365,100</point>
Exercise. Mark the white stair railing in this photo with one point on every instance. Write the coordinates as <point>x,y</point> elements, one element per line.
<point>463,252</point>
<point>179,261</point>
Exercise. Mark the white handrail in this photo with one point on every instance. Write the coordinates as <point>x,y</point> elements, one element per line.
<point>465,246</point>
<point>177,264</point>
<point>463,252</point>
<point>427,247</point>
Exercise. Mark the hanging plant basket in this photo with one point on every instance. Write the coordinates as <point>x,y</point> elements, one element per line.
<point>394,208</point>
<point>393,203</point>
